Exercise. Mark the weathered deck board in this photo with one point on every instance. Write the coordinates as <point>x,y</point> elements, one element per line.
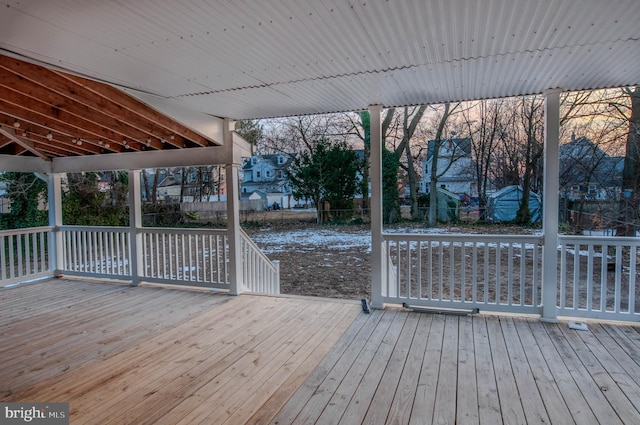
<point>127,355</point>
<point>424,369</point>
<point>151,355</point>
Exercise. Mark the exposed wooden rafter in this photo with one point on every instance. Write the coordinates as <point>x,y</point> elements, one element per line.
<point>26,144</point>
<point>49,113</point>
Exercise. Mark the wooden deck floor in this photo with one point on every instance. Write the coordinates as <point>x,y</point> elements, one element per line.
<point>148,355</point>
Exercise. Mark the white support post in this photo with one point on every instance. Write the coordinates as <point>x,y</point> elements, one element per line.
<point>550,206</point>
<point>236,283</point>
<point>56,248</point>
<point>135,225</point>
<point>377,260</point>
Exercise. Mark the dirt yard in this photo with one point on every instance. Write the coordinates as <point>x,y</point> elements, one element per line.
<point>318,267</point>
<point>322,260</point>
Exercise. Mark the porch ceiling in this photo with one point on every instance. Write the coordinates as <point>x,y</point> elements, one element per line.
<point>48,113</point>
<point>259,58</point>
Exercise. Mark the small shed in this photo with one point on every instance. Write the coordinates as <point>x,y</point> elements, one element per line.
<point>503,205</point>
<point>448,206</point>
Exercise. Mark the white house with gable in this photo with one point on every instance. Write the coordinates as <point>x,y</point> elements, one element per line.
<point>266,174</point>
<point>454,167</point>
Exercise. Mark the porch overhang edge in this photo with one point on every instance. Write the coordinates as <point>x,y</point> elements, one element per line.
<point>213,155</point>
<point>32,164</point>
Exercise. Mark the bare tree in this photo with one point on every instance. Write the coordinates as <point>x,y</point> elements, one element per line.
<point>410,119</point>
<point>630,202</point>
<point>483,122</point>
<point>438,168</point>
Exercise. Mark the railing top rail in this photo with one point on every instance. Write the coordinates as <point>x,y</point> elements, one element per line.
<point>605,240</point>
<point>461,237</point>
<point>75,228</point>
<point>183,230</point>
<point>252,244</point>
<point>24,231</point>
<point>159,230</point>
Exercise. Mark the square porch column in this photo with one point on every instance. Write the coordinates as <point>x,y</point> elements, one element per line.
<point>54,195</point>
<point>135,227</point>
<point>377,254</point>
<point>236,283</point>
<point>550,206</point>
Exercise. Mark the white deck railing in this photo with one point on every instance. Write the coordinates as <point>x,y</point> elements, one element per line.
<point>96,251</point>
<point>259,273</point>
<point>24,255</point>
<point>190,256</point>
<point>461,271</point>
<point>599,277</point>
<point>194,257</point>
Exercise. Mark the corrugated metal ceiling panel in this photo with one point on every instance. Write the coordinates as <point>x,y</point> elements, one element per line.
<point>259,58</point>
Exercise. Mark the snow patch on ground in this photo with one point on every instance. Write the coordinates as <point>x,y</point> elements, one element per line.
<point>306,239</point>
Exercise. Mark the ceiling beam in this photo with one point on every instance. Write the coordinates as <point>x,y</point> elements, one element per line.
<point>24,164</point>
<point>27,144</point>
<point>37,134</point>
<point>106,99</point>
<point>38,125</point>
<point>192,157</point>
<point>164,124</point>
<point>93,112</point>
<point>56,118</point>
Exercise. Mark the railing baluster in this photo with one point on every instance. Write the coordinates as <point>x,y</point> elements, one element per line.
<point>510,280</point>
<point>633,257</point>
<point>536,275</point>
<point>563,277</point>
<point>441,271</point>
<point>498,274</point>
<point>474,273</point>
<point>30,253</point>
<point>452,268</point>
<point>419,270</point>
<point>618,280</point>
<point>3,258</point>
<point>19,249</point>
<point>523,277</point>
<point>463,277</point>
<point>486,274</point>
<point>211,251</point>
<point>430,269</point>
<point>118,262</point>
<point>197,253</point>
<point>408,271</point>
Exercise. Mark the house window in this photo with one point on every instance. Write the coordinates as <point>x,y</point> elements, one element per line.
<point>280,160</point>
<point>268,173</point>
<point>257,174</point>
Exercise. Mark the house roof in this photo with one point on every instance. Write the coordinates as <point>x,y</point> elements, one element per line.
<point>272,159</point>
<point>196,60</point>
<point>582,161</point>
<point>462,147</point>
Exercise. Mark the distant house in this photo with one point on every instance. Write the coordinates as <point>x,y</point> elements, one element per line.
<point>201,184</point>
<point>266,174</point>
<point>588,173</point>
<point>454,166</point>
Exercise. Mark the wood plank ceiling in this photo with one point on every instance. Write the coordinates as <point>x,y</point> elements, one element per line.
<point>49,113</point>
